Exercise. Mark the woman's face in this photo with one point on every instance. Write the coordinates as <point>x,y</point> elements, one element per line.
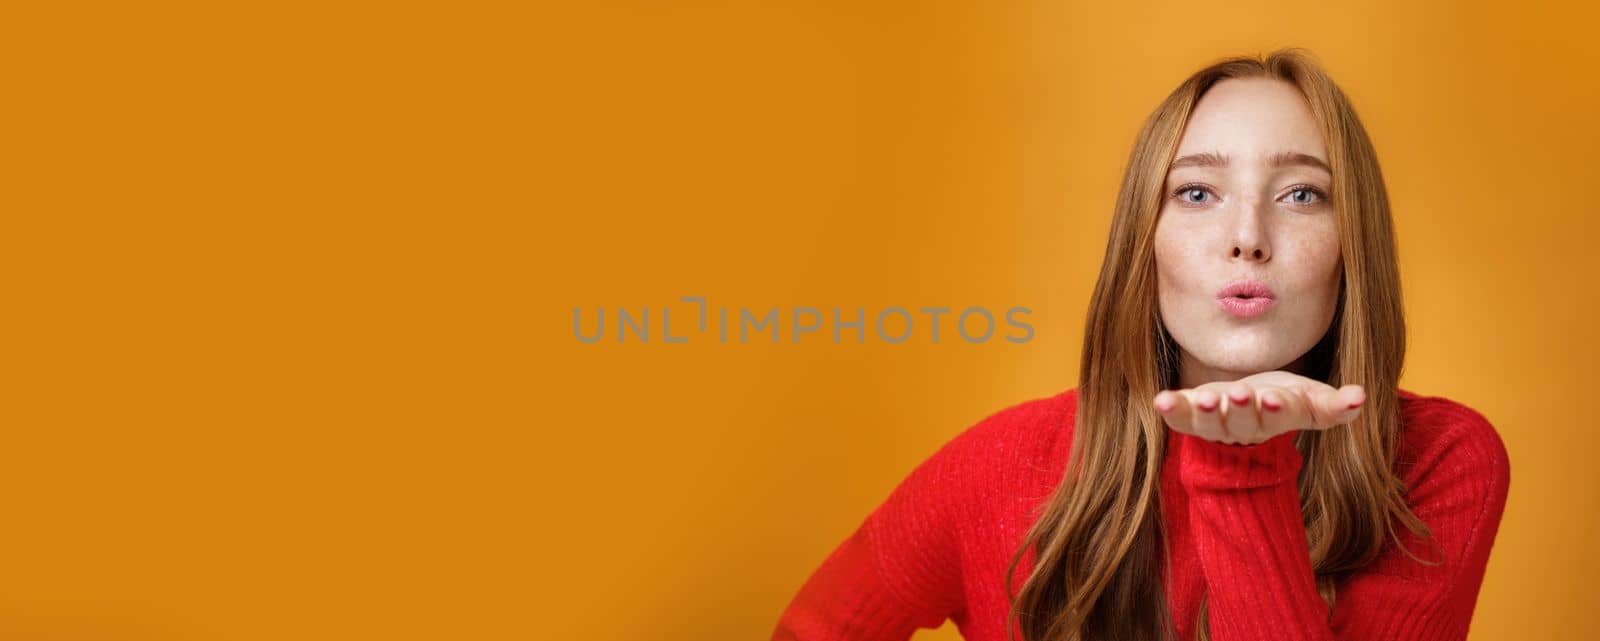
<point>1247,200</point>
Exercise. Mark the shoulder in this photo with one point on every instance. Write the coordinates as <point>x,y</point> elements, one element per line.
<point>1441,427</point>
<point>1039,417</point>
<point>921,533</point>
<point>1447,447</point>
<point>1027,432</point>
<point>1456,474</point>
<point>1009,447</point>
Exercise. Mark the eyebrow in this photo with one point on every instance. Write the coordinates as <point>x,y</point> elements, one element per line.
<point>1280,159</point>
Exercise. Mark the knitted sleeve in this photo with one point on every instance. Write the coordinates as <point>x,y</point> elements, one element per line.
<point>1245,507</point>
<point>902,567</point>
<point>847,598</point>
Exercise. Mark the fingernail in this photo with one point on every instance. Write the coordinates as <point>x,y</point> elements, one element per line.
<point>1240,400</point>
<point>1206,407</point>
<point>1270,404</point>
<point>1353,405</point>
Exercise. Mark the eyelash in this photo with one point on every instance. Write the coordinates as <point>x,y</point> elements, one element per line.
<point>1322,197</point>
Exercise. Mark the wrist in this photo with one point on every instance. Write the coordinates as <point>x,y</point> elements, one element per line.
<point>1216,465</point>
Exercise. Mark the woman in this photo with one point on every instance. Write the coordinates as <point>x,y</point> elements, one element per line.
<point>1237,461</point>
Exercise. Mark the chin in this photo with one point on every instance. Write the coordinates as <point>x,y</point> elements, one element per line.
<point>1245,369</point>
<point>1246,361</point>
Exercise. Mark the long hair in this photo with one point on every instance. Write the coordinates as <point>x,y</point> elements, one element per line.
<point>1099,538</point>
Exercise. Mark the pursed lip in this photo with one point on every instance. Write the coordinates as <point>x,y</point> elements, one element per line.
<point>1246,288</point>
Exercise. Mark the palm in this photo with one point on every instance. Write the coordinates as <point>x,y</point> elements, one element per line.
<point>1258,407</point>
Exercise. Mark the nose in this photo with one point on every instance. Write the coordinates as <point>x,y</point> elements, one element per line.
<point>1251,251</point>
<point>1249,240</point>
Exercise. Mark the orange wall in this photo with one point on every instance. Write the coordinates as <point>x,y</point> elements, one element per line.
<point>291,289</point>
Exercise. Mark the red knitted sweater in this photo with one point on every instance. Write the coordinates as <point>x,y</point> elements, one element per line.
<point>937,547</point>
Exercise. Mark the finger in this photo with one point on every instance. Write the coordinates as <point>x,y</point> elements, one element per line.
<point>1176,410</point>
<point>1333,407</point>
<point>1207,417</point>
<point>1243,418</point>
<point>1223,432</point>
<point>1282,410</point>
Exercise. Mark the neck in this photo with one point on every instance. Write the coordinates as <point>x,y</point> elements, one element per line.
<point>1192,373</point>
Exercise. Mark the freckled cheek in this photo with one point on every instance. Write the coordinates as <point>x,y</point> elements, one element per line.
<point>1178,266</point>
<point>1317,262</point>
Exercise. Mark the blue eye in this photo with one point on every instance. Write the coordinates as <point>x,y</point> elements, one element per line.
<point>1306,195</point>
<point>1192,194</point>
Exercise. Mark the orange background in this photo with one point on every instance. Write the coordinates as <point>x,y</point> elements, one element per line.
<point>291,289</point>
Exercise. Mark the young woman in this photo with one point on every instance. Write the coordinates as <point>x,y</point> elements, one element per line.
<point>1237,461</point>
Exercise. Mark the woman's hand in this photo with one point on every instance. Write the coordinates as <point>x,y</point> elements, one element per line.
<point>1258,407</point>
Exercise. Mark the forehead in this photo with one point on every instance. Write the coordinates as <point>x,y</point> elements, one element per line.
<point>1251,119</point>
